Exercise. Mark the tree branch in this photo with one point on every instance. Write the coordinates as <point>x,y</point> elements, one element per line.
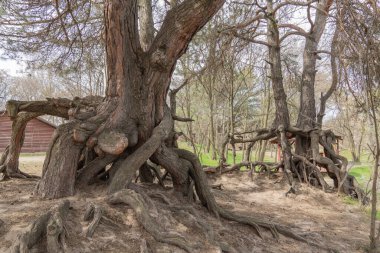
<point>297,3</point>
<point>179,26</point>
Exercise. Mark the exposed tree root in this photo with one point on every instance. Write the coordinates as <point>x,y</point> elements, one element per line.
<point>217,186</point>
<point>93,213</point>
<point>50,224</point>
<point>208,200</point>
<point>316,170</point>
<point>21,175</point>
<point>252,165</point>
<point>144,247</point>
<point>56,233</point>
<point>304,166</point>
<point>203,225</point>
<point>147,214</point>
<point>87,173</point>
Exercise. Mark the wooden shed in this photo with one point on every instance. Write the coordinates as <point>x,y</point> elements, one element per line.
<point>38,134</point>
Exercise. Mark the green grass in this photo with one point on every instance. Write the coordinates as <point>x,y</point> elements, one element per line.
<point>346,153</point>
<point>362,173</point>
<point>350,201</point>
<point>368,212</point>
<point>206,158</point>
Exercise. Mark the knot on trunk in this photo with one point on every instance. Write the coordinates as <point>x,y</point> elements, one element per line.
<point>112,142</point>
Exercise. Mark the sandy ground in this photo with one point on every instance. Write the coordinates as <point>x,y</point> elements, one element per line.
<point>32,164</point>
<point>319,217</point>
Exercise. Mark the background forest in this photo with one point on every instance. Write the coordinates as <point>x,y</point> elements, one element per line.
<point>222,82</point>
<point>276,84</point>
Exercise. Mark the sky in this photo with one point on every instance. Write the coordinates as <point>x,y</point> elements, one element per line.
<point>11,67</point>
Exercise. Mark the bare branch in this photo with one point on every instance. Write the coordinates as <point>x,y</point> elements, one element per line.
<point>297,3</point>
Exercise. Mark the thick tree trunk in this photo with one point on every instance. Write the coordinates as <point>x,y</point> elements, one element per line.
<point>282,121</point>
<point>61,164</point>
<point>138,77</point>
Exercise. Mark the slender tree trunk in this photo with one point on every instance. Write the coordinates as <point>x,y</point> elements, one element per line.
<point>307,113</point>
<point>373,115</point>
<point>212,127</point>
<point>282,120</point>
<point>11,160</point>
<point>267,102</point>
<point>189,125</point>
<point>279,95</point>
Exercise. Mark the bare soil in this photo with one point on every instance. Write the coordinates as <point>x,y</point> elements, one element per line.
<point>321,218</point>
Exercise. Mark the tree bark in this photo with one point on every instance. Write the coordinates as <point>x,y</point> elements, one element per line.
<point>307,113</point>
<point>138,77</point>
<point>61,164</point>
<point>279,95</point>
<point>11,163</point>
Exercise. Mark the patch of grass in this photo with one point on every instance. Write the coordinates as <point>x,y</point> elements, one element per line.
<point>368,212</point>
<point>350,201</point>
<point>206,158</point>
<point>362,173</point>
<point>346,153</point>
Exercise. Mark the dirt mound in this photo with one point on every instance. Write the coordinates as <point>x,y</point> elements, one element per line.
<point>319,217</point>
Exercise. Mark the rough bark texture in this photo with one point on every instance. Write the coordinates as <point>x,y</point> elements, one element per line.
<point>138,77</point>
<point>307,113</point>
<point>279,95</point>
<point>61,164</point>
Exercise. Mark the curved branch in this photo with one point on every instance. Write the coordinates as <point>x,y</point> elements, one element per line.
<point>179,118</point>
<point>252,40</point>
<point>289,2</point>
<point>264,136</point>
<point>290,34</point>
<point>124,175</point>
<point>334,78</point>
<point>177,30</point>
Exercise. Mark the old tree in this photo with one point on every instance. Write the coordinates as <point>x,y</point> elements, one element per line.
<point>131,129</point>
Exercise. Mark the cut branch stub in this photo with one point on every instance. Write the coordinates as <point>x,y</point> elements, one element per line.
<point>112,142</point>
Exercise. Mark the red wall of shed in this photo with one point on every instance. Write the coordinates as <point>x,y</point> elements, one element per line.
<point>37,135</point>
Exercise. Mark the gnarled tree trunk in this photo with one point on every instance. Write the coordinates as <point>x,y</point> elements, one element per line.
<point>138,78</point>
